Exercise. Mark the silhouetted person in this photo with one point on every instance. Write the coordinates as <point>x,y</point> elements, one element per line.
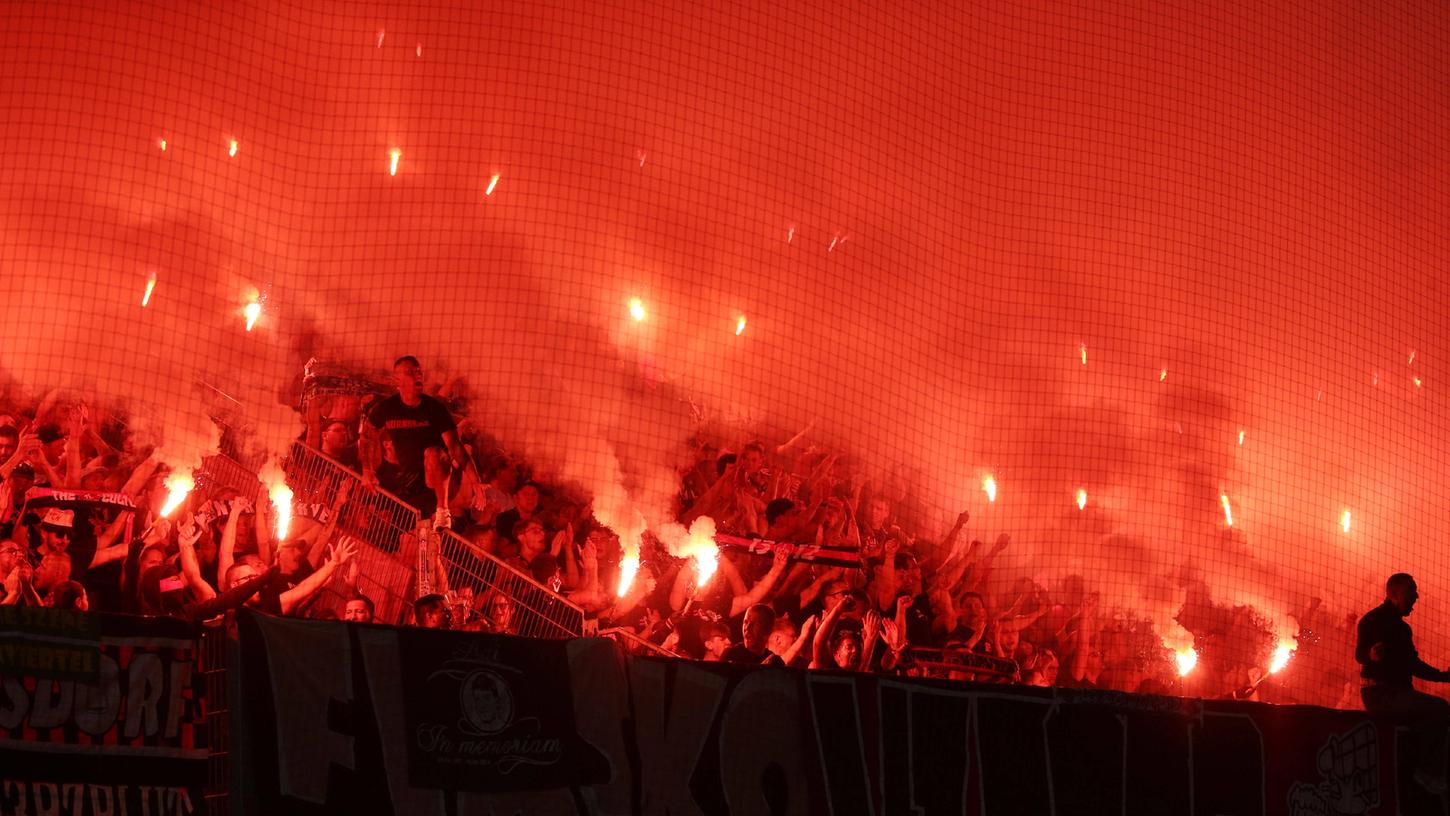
<point>1386,649</point>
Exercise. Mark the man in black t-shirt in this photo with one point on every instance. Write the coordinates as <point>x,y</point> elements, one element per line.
<point>424,439</point>
<point>754,633</point>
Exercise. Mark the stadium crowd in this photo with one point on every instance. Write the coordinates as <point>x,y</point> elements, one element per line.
<point>82,527</point>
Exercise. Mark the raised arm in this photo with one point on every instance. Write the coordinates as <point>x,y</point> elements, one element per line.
<point>227,548</point>
<point>186,537</point>
<point>821,644</point>
<point>338,555</point>
<point>757,593</point>
<point>808,627</point>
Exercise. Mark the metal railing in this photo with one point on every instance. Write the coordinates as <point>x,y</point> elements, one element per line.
<point>384,526</point>
<point>478,578</point>
<point>961,664</point>
<point>211,662</point>
<point>219,472</point>
<point>636,645</point>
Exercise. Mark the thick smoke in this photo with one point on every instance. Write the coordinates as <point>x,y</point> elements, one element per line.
<point>925,220</point>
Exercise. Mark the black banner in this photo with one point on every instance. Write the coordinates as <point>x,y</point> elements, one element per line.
<point>333,717</point>
<point>491,714</point>
<point>99,714</point>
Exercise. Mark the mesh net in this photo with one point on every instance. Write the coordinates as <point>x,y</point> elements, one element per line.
<point>1156,291</point>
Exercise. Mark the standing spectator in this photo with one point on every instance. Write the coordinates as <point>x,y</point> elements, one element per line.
<point>424,437</point>
<point>337,442</point>
<point>525,506</point>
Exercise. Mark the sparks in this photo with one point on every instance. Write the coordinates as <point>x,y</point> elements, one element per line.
<point>1241,437</point>
<point>1162,374</point>
<point>636,310</point>
<point>1081,498</point>
<point>150,287</point>
<point>1417,382</point>
<point>281,496</point>
<point>1228,513</point>
<point>989,486</point>
<point>628,568</point>
<point>419,49</point>
<point>1281,658</point>
<point>834,240</point>
<point>1344,521</point>
<point>705,564</point>
<point>740,326</point>
<point>1082,350</point>
<point>253,311</point>
<point>1375,378</point>
<point>162,144</point>
<point>1412,358</point>
<point>179,487</point>
<point>641,155</point>
<point>395,154</point>
<point>1186,659</point>
<point>232,148</point>
<point>381,35</point>
<point>492,183</point>
<point>790,235</point>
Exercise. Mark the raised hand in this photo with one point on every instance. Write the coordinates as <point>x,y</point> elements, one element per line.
<point>1002,541</point>
<point>342,551</point>
<point>963,518</point>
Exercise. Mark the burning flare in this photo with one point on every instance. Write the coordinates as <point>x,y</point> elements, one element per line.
<point>1083,349</point>
<point>253,311</point>
<point>628,568</point>
<point>1228,512</point>
<point>1186,659</point>
<point>394,155</point>
<point>989,486</point>
<point>492,183</point>
<point>1162,374</point>
<point>281,496</point>
<point>179,486</point>
<point>636,310</point>
<point>162,144</point>
<point>1241,437</point>
<point>150,287</point>
<point>1081,498</point>
<point>232,148</point>
<point>740,326</point>
<point>1281,657</point>
<point>1344,520</point>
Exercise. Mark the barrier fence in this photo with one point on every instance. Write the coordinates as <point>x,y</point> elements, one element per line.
<point>481,580</point>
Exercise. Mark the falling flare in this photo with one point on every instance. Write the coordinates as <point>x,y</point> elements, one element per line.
<point>232,148</point>
<point>1081,498</point>
<point>162,144</point>
<point>1228,513</point>
<point>834,240</point>
<point>1241,437</point>
<point>492,183</point>
<point>1412,358</point>
<point>281,496</point>
<point>381,35</point>
<point>1162,374</point>
<point>419,50</point>
<point>1375,378</point>
<point>1082,349</point>
<point>150,287</point>
<point>790,234</point>
<point>253,311</point>
<point>641,155</point>
<point>179,486</point>
<point>740,326</point>
<point>1344,520</point>
<point>1417,382</point>
<point>1186,659</point>
<point>1281,657</point>
<point>989,486</point>
<point>636,310</point>
<point>395,154</point>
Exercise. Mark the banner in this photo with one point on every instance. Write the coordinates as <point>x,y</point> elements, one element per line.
<point>99,714</point>
<point>335,718</point>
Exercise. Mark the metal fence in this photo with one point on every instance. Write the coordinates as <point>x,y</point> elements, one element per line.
<point>212,671</point>
<point>383,525</point>
<point>219,473</point>
<point>477,579</point>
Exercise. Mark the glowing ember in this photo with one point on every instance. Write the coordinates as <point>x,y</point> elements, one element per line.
<point>989,486</point>
<point>419,50</point>
<point>1162,374</point>
<point>150,287</point>
<point>162,144</point>
<point>179,486</point>
<point>641,155</point>
<point>1412,358</point>
<point>1081,498</point>
<point>1281,657</point>
<point>1344,521</point>
<point>1082,349</point>
<point>381,35</point>
<point>1228,513</point>
<point>232,148</point>
<point>1417,382</point>
<point>252,311</point>
<point>492,183</point>
<point>1186,659</point>
<point>636,310</point>
<point>394,154</point>
<point>834,240</point>
<point>740,326</point>
<point>1241,437</point>
<point>628,568</point>
<point>281,496</point>
<point>790,234</point>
